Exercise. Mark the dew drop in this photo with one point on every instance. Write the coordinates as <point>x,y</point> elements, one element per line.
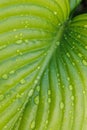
<point>70,87</point>
<point>12,72</point>
<point>80,55</point>
<point>61,105</point>
<point>85,47</point>
<point>32,126</point>
<point>1,97</point>
<point>36,100</point>
<point>55,12</point>
<point>78,36</point>
<point>84,62</point>
<point>38,67</point>
<point>46,121</point>
<point>85,26</point>
<point>68,54</point>
<point>57,43</point>
<point>84,92</point>
<point>49,100</point>
<point>72,98</point>
<point>30,93</point>
<point>19,41</point>
<point>49,92</point>
<point>38,88</point>
<point>22,81</point>
<point>5,76</point>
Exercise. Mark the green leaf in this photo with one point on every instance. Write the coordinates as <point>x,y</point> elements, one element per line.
<point>74,3</point>
<point>43,66</point>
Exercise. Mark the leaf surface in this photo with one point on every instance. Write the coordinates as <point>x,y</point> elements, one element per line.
<point>43,66</point>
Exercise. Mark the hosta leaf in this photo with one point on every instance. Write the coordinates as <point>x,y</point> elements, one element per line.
<point>43,66</point>
<point>74,3</point>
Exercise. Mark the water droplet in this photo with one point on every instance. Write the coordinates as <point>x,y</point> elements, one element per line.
<point>19,41</point>
<point>61,105</point>
<point>36,100</point>
<point>1,97</point>
<point>84,92</point>
<point>84,62</point>
<point>85,47</point>
<point>78,36</point>
<point>49,100</point>
<point>72,98</point>
<point>57,43</point>
<point>79,54</point>
<point>46,121</point>
<point>38,88</point>
<point>32,126</point>
<point>26,40</point>
<point>36,81</point>
<point>85,26</point>
<point>12,72</point>
<point>22,81</point>
<point>4,76</point>
<point>55,12</point>
<point>70,87</point>
<point>30,93</point>
<point>14,30</point>
<point>49,92</point>
<point>68,78</point>
<point>2,47</point>
<point>38,67</point>
<point>68,54</point>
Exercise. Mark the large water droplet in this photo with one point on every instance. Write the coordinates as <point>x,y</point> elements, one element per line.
<point>5,76</point>
<point>1,97</point>
<point>70,87</point>
<point>61,105</point>
<point>49,100</point>
<point>19,41</point>
<point>32,126</point>
<point>30,93</point>
<point>84,62</point>
<point>22,81</point>
<point>36,100</point>
<point>38,88</point>
<point>72,98</point>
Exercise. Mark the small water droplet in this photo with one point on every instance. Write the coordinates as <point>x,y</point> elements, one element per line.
<point>85,47</point>
<point>30,93</point>
<point>84,92</point>
<point>36,81</point>
<point>22,81</point>
<point>70,87</point>
<point>61,105</point>
<point>55,12</point>
<point>1,97</point>
<point>2,47</point>
<point>80,55</point>
<point>68,55</point>
<point>32,126</point>
<point>46,121</point>
<point>78,36</point>
<point>49,92</point>
<point>84,62</point>
<point>38,88</point>
<point>19,41</point>
<point>85,26</point>
<point>36,100</point>
<point>49,100</point>
<point>72,98</point>
<point>57,43</point>
<point>38,67</point>
<point>12,72</point>
<point>14,30</point>
<point>5,76</point>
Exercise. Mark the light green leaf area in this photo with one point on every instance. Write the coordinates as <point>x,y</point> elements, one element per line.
<point>43,66</point>
<point>74,3</point>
